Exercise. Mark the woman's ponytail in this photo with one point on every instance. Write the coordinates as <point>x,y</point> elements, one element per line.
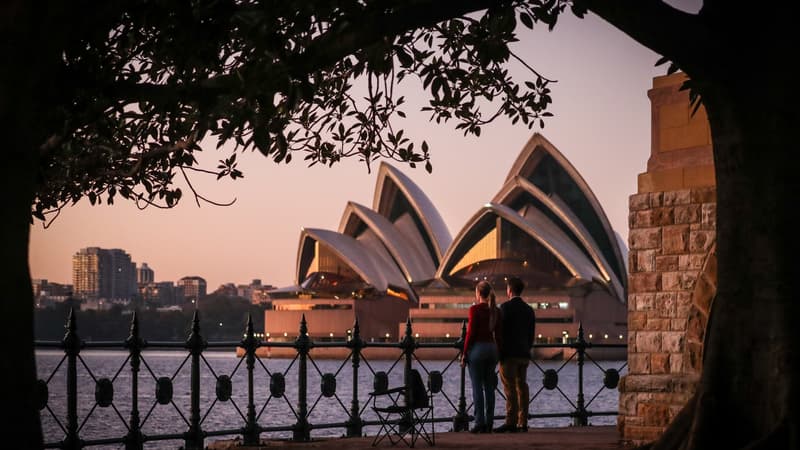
<point>486,292</point>
<point>492,311</point>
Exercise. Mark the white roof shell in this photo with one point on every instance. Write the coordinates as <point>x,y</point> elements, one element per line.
<point>525,164</point>
<point>415,264</point>
<point>518,184</point>
<point>539,227</point>
<point>433,224</point>
<point>373,269</point>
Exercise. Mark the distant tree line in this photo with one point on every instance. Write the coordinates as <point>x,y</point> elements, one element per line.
<point>221,318</point>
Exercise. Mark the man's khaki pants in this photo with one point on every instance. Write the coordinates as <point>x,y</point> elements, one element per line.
<point>514,374</point>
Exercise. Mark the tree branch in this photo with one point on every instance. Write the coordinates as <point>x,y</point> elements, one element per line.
<point>162,93</point>
<point>340,40</point>
<point>680,36</point>
<point>391,19</point>
<point>198,197</point>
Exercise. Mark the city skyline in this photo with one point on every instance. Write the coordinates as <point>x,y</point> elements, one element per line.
<point>601,123</point>
<point>140,269</point>
<point>89,259</point>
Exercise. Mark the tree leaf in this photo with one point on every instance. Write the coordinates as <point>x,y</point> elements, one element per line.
<point>526,19</point>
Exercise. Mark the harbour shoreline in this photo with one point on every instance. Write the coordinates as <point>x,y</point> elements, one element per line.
<point>390,353</point>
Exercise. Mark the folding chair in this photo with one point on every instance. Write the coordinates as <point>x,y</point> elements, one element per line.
<point>405,413</point>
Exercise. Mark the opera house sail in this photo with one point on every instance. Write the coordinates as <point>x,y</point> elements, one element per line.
<point>398,260</point>
<point>367,269</point>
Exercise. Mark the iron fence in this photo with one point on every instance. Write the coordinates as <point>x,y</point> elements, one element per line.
<point>252,422</point>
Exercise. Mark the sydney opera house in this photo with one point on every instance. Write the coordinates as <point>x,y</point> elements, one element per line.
<point>398,260</point>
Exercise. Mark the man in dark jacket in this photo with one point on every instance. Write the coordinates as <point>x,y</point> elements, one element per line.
<point>519,322</point>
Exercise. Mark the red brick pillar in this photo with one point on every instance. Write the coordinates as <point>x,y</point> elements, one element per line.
<point>672,231</point>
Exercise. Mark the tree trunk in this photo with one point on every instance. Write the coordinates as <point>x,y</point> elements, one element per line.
<point>21,418</point>
<point>748,392</point>
<point>30,50</point>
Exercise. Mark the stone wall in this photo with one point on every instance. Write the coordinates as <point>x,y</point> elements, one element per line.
<point>671,235</point>
<point>672,267</point>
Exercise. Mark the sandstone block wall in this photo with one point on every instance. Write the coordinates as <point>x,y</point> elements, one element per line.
<point>671,235</point>
<point>672,264</point>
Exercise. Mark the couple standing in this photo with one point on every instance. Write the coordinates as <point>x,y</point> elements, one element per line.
<point>503,334</point>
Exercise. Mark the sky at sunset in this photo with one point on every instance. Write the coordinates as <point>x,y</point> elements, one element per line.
<point>601,124</point>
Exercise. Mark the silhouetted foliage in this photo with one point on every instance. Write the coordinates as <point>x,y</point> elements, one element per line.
<point>142,88</point>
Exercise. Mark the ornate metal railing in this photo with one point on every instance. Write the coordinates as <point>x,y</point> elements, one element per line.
<point>252,422</point>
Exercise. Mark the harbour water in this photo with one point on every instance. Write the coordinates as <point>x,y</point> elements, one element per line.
<point>325,414</point>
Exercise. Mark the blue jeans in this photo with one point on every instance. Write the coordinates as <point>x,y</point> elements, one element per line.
<point>481,361</point>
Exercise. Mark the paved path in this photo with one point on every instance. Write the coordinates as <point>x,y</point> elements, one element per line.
<point>569,438</point>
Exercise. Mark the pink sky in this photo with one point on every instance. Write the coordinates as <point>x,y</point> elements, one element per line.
<point>601,124</point>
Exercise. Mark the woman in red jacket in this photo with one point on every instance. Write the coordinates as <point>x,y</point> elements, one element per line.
<point>481,354</point>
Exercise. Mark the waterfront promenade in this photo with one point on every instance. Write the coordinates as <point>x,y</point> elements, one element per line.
<point>195,393</point>
<point>567,438</point>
